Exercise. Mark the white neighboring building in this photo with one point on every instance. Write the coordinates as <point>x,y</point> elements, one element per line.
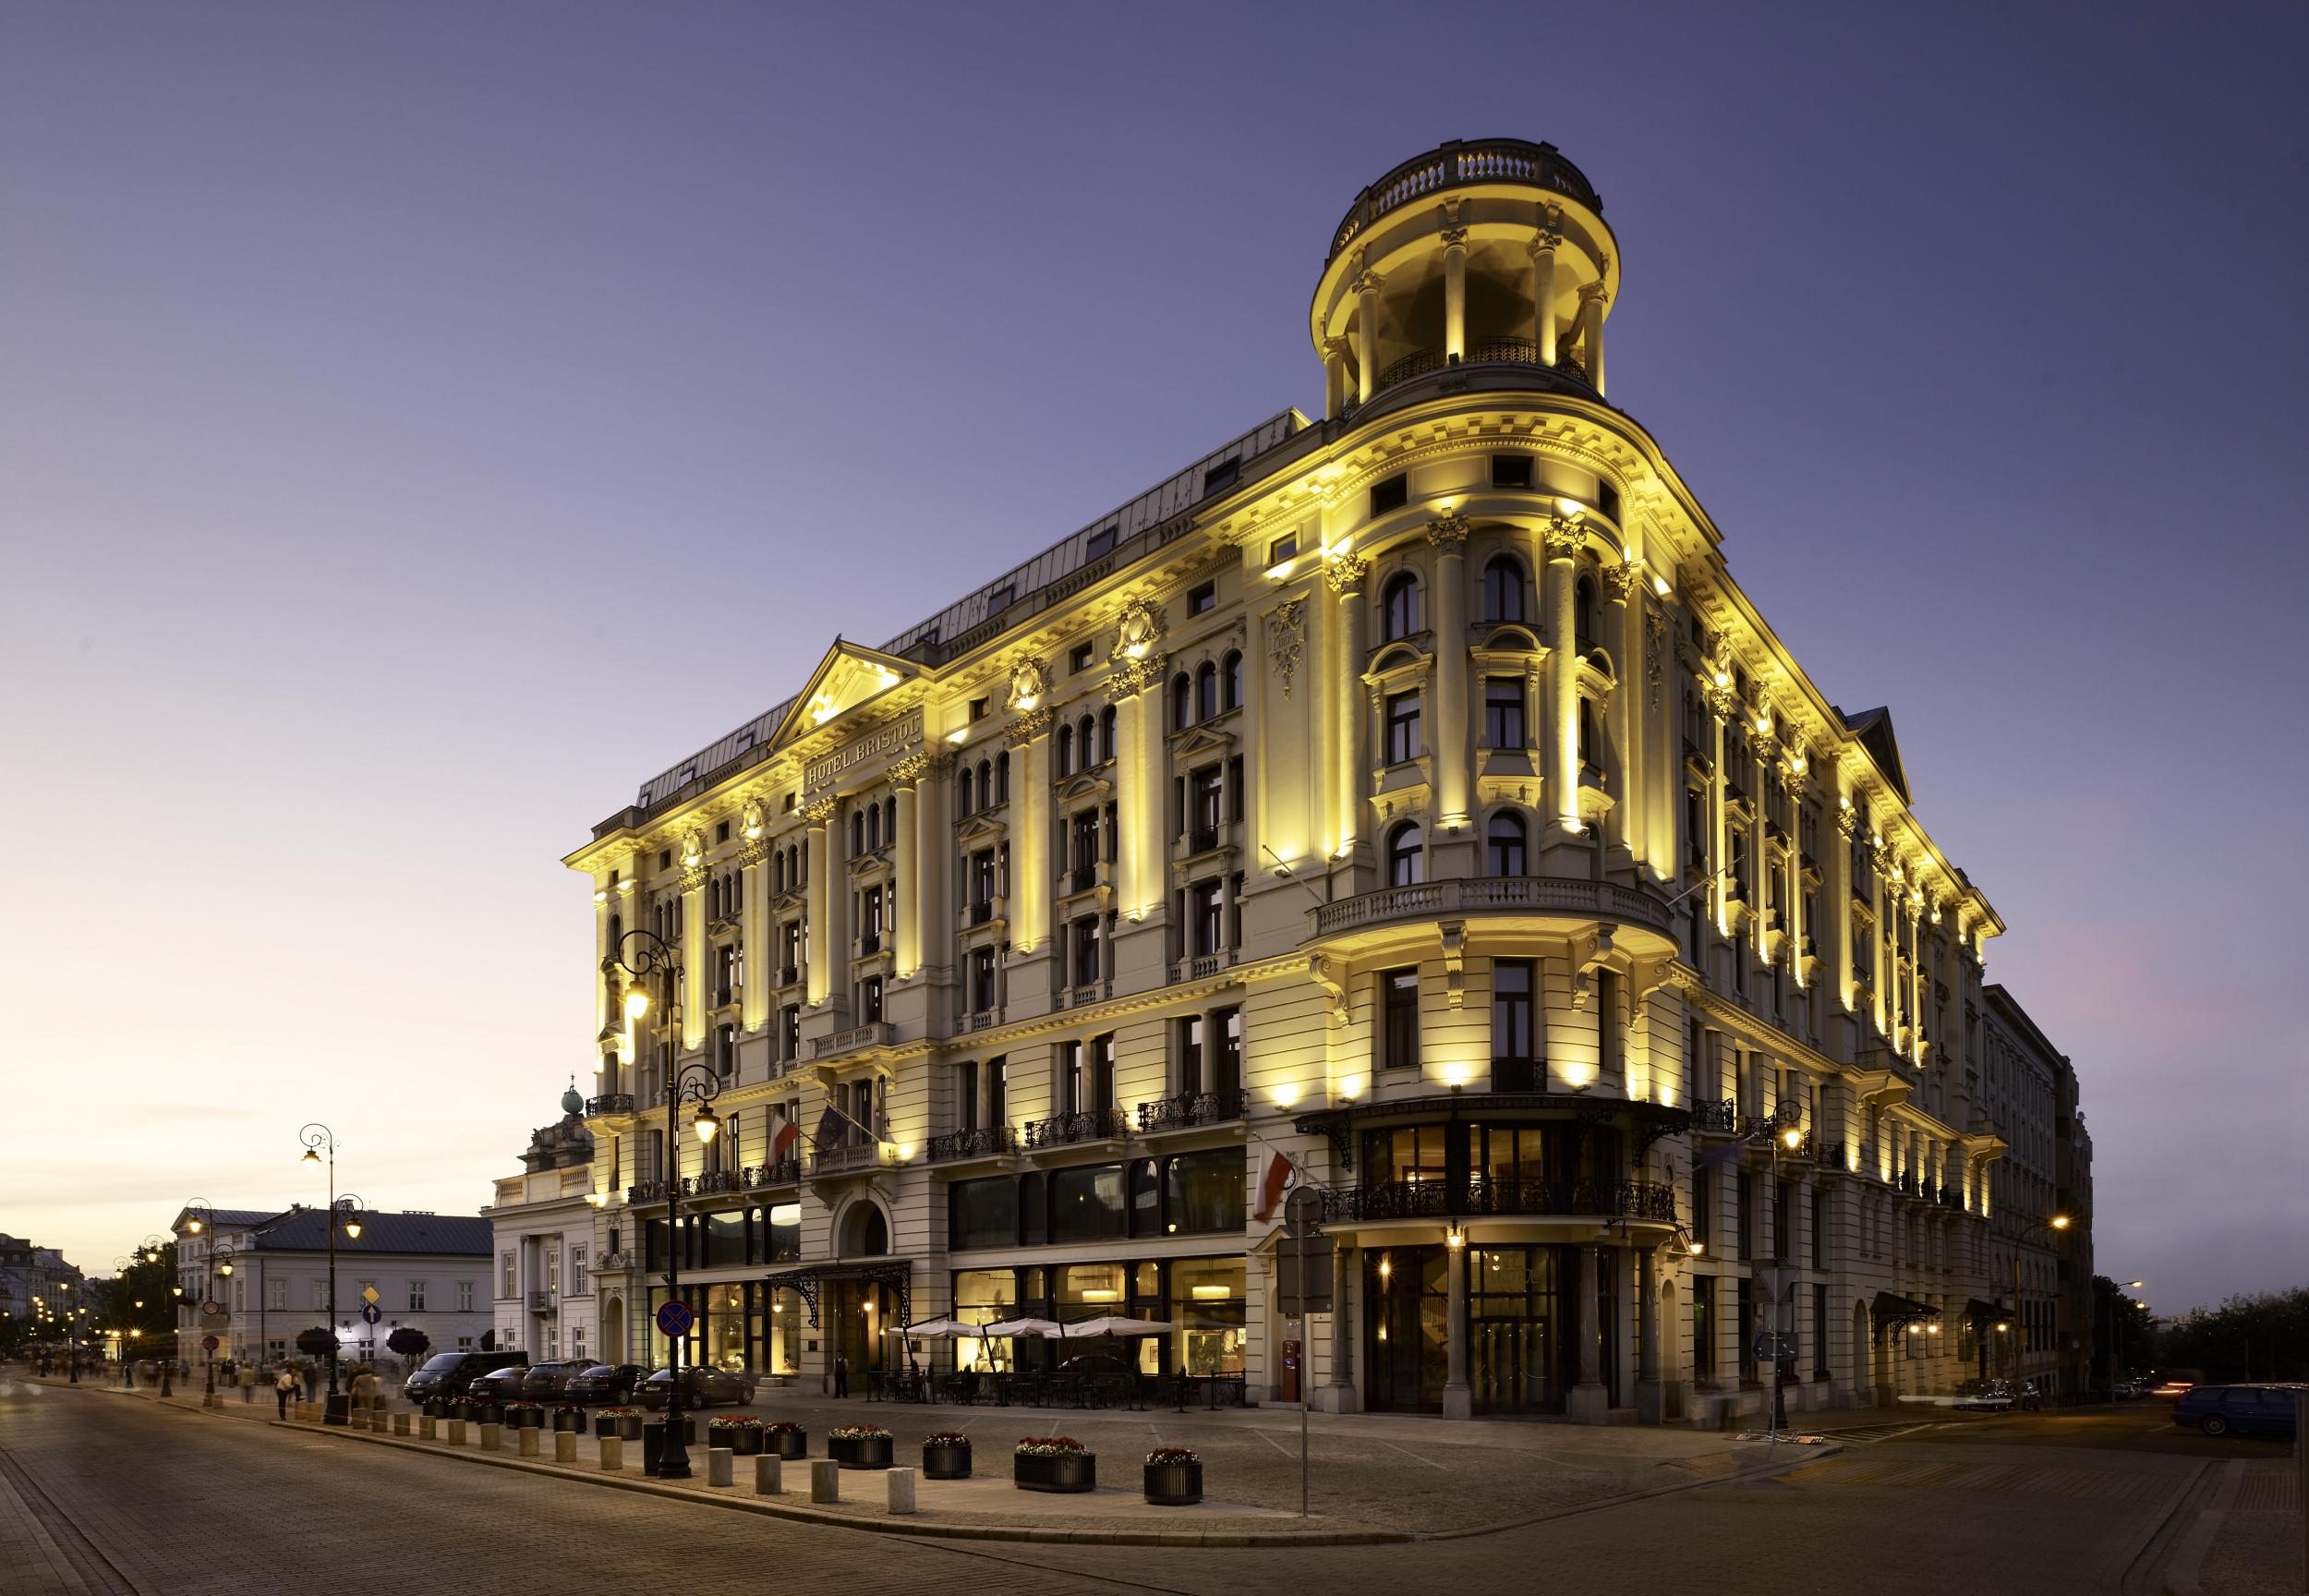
<point>431,1272</point>
<point>541,1226</point>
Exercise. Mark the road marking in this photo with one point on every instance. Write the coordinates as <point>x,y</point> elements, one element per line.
<point>1276,1444</point>
<point>1413,1456</point>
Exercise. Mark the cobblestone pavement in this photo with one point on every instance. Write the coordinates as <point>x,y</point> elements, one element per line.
<point>189,1504</point>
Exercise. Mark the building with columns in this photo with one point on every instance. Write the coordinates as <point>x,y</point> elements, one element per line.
<point>1408,804</point>
<point>541,1229</point>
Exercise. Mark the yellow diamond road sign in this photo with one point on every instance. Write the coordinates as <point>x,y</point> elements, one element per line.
<point>369,1293</point>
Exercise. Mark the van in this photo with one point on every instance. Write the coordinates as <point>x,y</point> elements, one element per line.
<point>447,1375</point>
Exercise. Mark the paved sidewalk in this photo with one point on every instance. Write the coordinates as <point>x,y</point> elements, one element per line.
<point>2256,1547</point>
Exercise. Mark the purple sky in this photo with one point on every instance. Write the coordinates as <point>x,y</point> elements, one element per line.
<point>419,424</point>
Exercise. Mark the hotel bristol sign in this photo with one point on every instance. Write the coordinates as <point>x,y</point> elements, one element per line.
<point>880,742</point>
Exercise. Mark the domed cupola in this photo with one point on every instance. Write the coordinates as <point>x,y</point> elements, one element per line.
<point>1490,252</point>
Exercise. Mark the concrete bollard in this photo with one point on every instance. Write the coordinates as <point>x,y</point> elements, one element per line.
<point>613,1454</point>
<point>492,1436</point>
<point>428,1428</point>
<point>717,1465</point>
<point>456,1432</point>
<point>377,1423</point>
<point>770,1475</point>
<point>399,1423</point>
<point>901,1490</point>
<point>824,1481</point>
<point>529,1440</point>
<point>565,1446</point>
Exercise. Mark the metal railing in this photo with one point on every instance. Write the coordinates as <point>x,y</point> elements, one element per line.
<point>1089,1125</point>
<point>833,1157</point>
<point>1460,162</point>
<point>785,1172</point>
<point>1482,1194</point>
<point>872,1034</point>
<point>1182,1110</point>
<point>645,1191</point>
<point>610,1103</point>
<point>1719,1118</point>
<point>1500,894</point>
<point>540,1302</point>
<point>988,1142</point>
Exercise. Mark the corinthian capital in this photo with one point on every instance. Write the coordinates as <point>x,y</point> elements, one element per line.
<point>1623,580</point>
<point>818,815</point>
<point>1345,572</point>
<point>1565,538</point>
<point>1448,532</point>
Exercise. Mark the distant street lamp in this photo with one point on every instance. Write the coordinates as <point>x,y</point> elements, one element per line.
<point>2018,1327</point>
<point>320,1147</point>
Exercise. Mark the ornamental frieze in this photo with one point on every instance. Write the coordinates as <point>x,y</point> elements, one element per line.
<point>1287,636</point>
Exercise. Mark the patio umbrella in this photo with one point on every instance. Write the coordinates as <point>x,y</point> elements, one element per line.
<point>1119,1324</point>
<point>1049,1329</point>
<point>944,1330</point>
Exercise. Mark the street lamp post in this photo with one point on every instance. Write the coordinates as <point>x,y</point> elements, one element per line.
<point>2051,1227</point>
<point>201,1217</point>
<point>320,1147</point>
<point>644,955</point>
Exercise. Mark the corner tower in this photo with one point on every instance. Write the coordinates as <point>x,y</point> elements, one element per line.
<point>1489,251</point>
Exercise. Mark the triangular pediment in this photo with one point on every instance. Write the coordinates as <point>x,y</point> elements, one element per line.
<point>850,675</point>
<point>1203,740</point>
<point>1874,728</point>
<point>981,826</point>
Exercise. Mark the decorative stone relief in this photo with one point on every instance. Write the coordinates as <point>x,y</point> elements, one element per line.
<point>1345,572</point>
<point>1623,581</point>
<point>1448,533</point>
<point>1655,648</point>
<point>1137,630</point>
<point>1030,680</point>
<point>1564,539</point>
<point>1029,726</point>
<point>1286,639</point>
<point>819,815</point>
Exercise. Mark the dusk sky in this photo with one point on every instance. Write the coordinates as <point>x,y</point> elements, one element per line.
<point>419,424</point>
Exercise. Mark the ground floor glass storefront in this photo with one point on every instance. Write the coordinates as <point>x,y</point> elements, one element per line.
<point>1522,1348</point>
<point>740,1324</point>
<point>1203,1301</point>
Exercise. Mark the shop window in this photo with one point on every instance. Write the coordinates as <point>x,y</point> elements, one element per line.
<point>1088,1205</point>
<point>982,1213</point>
<point>1204,1192</point>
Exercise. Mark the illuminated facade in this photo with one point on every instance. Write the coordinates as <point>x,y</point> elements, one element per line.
<point>1411,793</point>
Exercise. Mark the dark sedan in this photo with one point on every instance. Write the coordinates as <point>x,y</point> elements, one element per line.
<point>700,1388</point>
<point>604,1383</point>
<point>2237,1409</point>
<point>501,1384</point>
<point>547,1381</point>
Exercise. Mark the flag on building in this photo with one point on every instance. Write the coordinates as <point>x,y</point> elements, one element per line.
<point>781,1140</point>
<point>1273,1180</point>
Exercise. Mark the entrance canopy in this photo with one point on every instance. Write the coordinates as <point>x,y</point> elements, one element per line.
<point>896,1274</point>
<point>1891,1307</point>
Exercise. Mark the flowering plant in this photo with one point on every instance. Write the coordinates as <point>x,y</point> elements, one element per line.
<point>523,1407</point>
<point>1170,1454</point>
<point>857,1433</point>
<point>567,1408</point>
<point>734,1422</point>
<point>619,1412</point>
<point>782,1428</point>
<point>1050,1446</point>
<point>947,1438</point>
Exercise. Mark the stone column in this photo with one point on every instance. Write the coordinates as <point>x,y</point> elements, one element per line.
<point>1622,717</point>
<point>912,851</point>
<point>1345,573</point>
<point>1340,1396</point>
<point>694,960</point>
<point>1334,376</point>
<point>1366,333</point>
<point>1592,299</point>
<point>1455,243</point>
<point>1449,748</point>
<point>754,918</point>
<point>1564,541</point>
<point>1542,251</point>
<point>1915,980</point>
<point>1719,706</point>
<point>1650,1409</point>
<point>819,818</point>
<point>1457,1398</point>
<point>1588,1403</point>
<point>1030,813</point>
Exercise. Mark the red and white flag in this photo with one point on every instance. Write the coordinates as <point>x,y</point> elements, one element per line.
<point>781,1141</point>
<point>1275,1180</point>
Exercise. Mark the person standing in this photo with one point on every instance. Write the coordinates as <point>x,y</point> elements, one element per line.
<point>283,1388</point>
<point>841,1374</point>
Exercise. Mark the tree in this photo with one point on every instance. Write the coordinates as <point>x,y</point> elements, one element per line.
<point>2261,1336</point>
<point>315,1342</point>
<point>409,1341</point>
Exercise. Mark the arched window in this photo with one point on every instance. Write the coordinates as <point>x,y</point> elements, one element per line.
<point>1503,589</point>
<point>1207,691</point>
<point>1065,750</point>
<point>1505,845</point>
<point>713,898</point>
<point>1231,682</point>
<point>874,827</point>
<point>617,931</point>
<point>1400,608</point>
<point>1583,614</point>
<point>1587,740</point>
<point>857,832</point>
<point>1087,741</point>
<point>1407,855</point>
<point>963,785</point>
<point>1181,702</point>
<point>1002,778</point>
<point>1106,733</point>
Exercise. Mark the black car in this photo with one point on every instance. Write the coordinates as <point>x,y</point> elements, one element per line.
<point>547,1381</point>
<point>605,1383</point>
<point>700,1388</point>
<point>499,1385</point>
<point>447,1375</point>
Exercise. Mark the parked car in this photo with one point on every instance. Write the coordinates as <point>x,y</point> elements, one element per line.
<point>700,1388</point>
<point>546,1382</point>
<point>1985,1396</point>
<point>499,1385</point>
<point>2238,1410</point>
<point>604,1383</point>
<point>446,1374</point>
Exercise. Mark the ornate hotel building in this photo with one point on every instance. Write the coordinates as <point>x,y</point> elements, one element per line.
<point>1408,804</point>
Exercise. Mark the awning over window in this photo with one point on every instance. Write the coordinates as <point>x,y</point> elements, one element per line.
<point>1891,1307</point>
<point>1981,1312</point>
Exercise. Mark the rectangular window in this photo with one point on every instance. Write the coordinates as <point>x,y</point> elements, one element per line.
<point>1220,477</point>
<point>1203,1192</point>
<point>1102,543</point>
<point>1204,910</point>
<point>1190,1053</point>
<point>998,1091</point>
<point>1283,549</point>
<point>870,1000</point>
<point>554,1270</point>
<point>1403,737</point>
<point>1227,1075</point>
<point>1503,712</point>
<point>789,1033</point>
<point>1607,1023</point>
<point>321,1296</point>
<point>1088,1203</point>
<point>725,1049</point>
<point>966,1096</point>
<point>1072,1088</point>
<point>416,1296</point>
<point>1079,659</point>
<point>577,1284</point>
<point>1513,1042</point>
<point>1704,1177</point>
<point>276,1295</point>
<point>1204,798</point>
<point>1398,1021</point>
<point>506,1279</point>
<point>464,1295</point>
<point>1511,470</point>
<point>1203,599</point>
<point>1086,950</point>
<point>982,1213</point>
<point>1391,494</point>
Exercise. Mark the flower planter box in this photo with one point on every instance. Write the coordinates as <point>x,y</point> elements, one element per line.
<point>1063,1472</point>
<point>485,1413</point>
<point>743,1440</point>
<point>859,1451</point>
<point>624,1426</point>
<point>436,1409</point>
<point>1174,1485</point>
<point>575,1423</point>
<point>946,1462</point>
<point>524,1418</point>
<point>786,1443</point>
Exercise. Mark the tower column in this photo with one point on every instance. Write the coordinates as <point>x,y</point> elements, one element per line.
<point>906,925</point>
<point>1623,718</point>
<point>1454,240</point>
<point>754,920</point>
<point>1345,573</point>
<point>1366,333</point>
<point>1592,299</point>
<point>1334,376</point>
<point>1456,1402</point>
<point>1542,251</point>
<point>1587,1402</point>
<point>1030,804</point>
<point>1562,540</point>
<point>819,818</point>
<point>1449,534</point>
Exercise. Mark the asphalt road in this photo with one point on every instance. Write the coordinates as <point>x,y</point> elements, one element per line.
<point>102,1493</point>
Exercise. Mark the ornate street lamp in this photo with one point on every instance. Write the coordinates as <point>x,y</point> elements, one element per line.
<point>320,1147</point>
<point>644,955</point>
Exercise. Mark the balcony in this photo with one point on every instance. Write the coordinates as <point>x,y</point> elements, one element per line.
<point>1561,897</point>
<point>711,1181</point>
<point>1083,996</point>
<point>847,1157</point>
<point>1186,1110</point>
<point>1458,163</point>
<point>645,1191</point>
<point>540,1302</point>
<point>789,974</point>
<point>991,1141</point>
<point>1388,1200</point>
<point>868,944</point>
<point>608,1102</point>
<point>879,1034</point>
<point>984,911</point>
<point>1069,1129</point>
<point>785,1172</point>
<point>1199,967</point>
<point>1719,1118</point>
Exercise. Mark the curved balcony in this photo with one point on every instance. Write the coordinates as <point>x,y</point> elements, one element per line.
<point>1481,1196</point>
<point>1458,164</point>
<point>1480,351</point>
<point>1567,897</point>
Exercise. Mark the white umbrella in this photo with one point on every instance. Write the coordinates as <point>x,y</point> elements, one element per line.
<point>1119,1324</point>
<point>1048,1329</point>
<point>944,1330</point>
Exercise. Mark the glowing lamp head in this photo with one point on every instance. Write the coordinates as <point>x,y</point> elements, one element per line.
<point>1790,1138</point>
<point>353,1229</point>
<point>312,1155</point>
<point>1455,1237</point>
<point>707,1125</point>
<point>1696,1248</point>
<point>193,1225</point>
<point>2059,1221</point>
<point>636,1003</point>
<point>224,1268</point>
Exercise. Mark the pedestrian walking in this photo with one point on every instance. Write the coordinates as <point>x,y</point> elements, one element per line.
<point>283,1389</point>
<point>841,1374</point>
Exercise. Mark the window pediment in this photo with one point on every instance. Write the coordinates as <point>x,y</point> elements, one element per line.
<point>1202,739</point>
<point>982,827</point>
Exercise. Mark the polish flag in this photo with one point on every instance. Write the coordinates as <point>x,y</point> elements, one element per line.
<point>1273,1180</point>
<point>781,1141</point>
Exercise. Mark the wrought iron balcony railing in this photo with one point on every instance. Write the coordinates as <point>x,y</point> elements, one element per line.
<point>987,1142</point>
<point>1090,1125</point>
<point>785,1172</point>
<point>610,1103</point>
<point>1184,1110</point>
<point>1482,1195</point>
<point>1720,1119</point>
